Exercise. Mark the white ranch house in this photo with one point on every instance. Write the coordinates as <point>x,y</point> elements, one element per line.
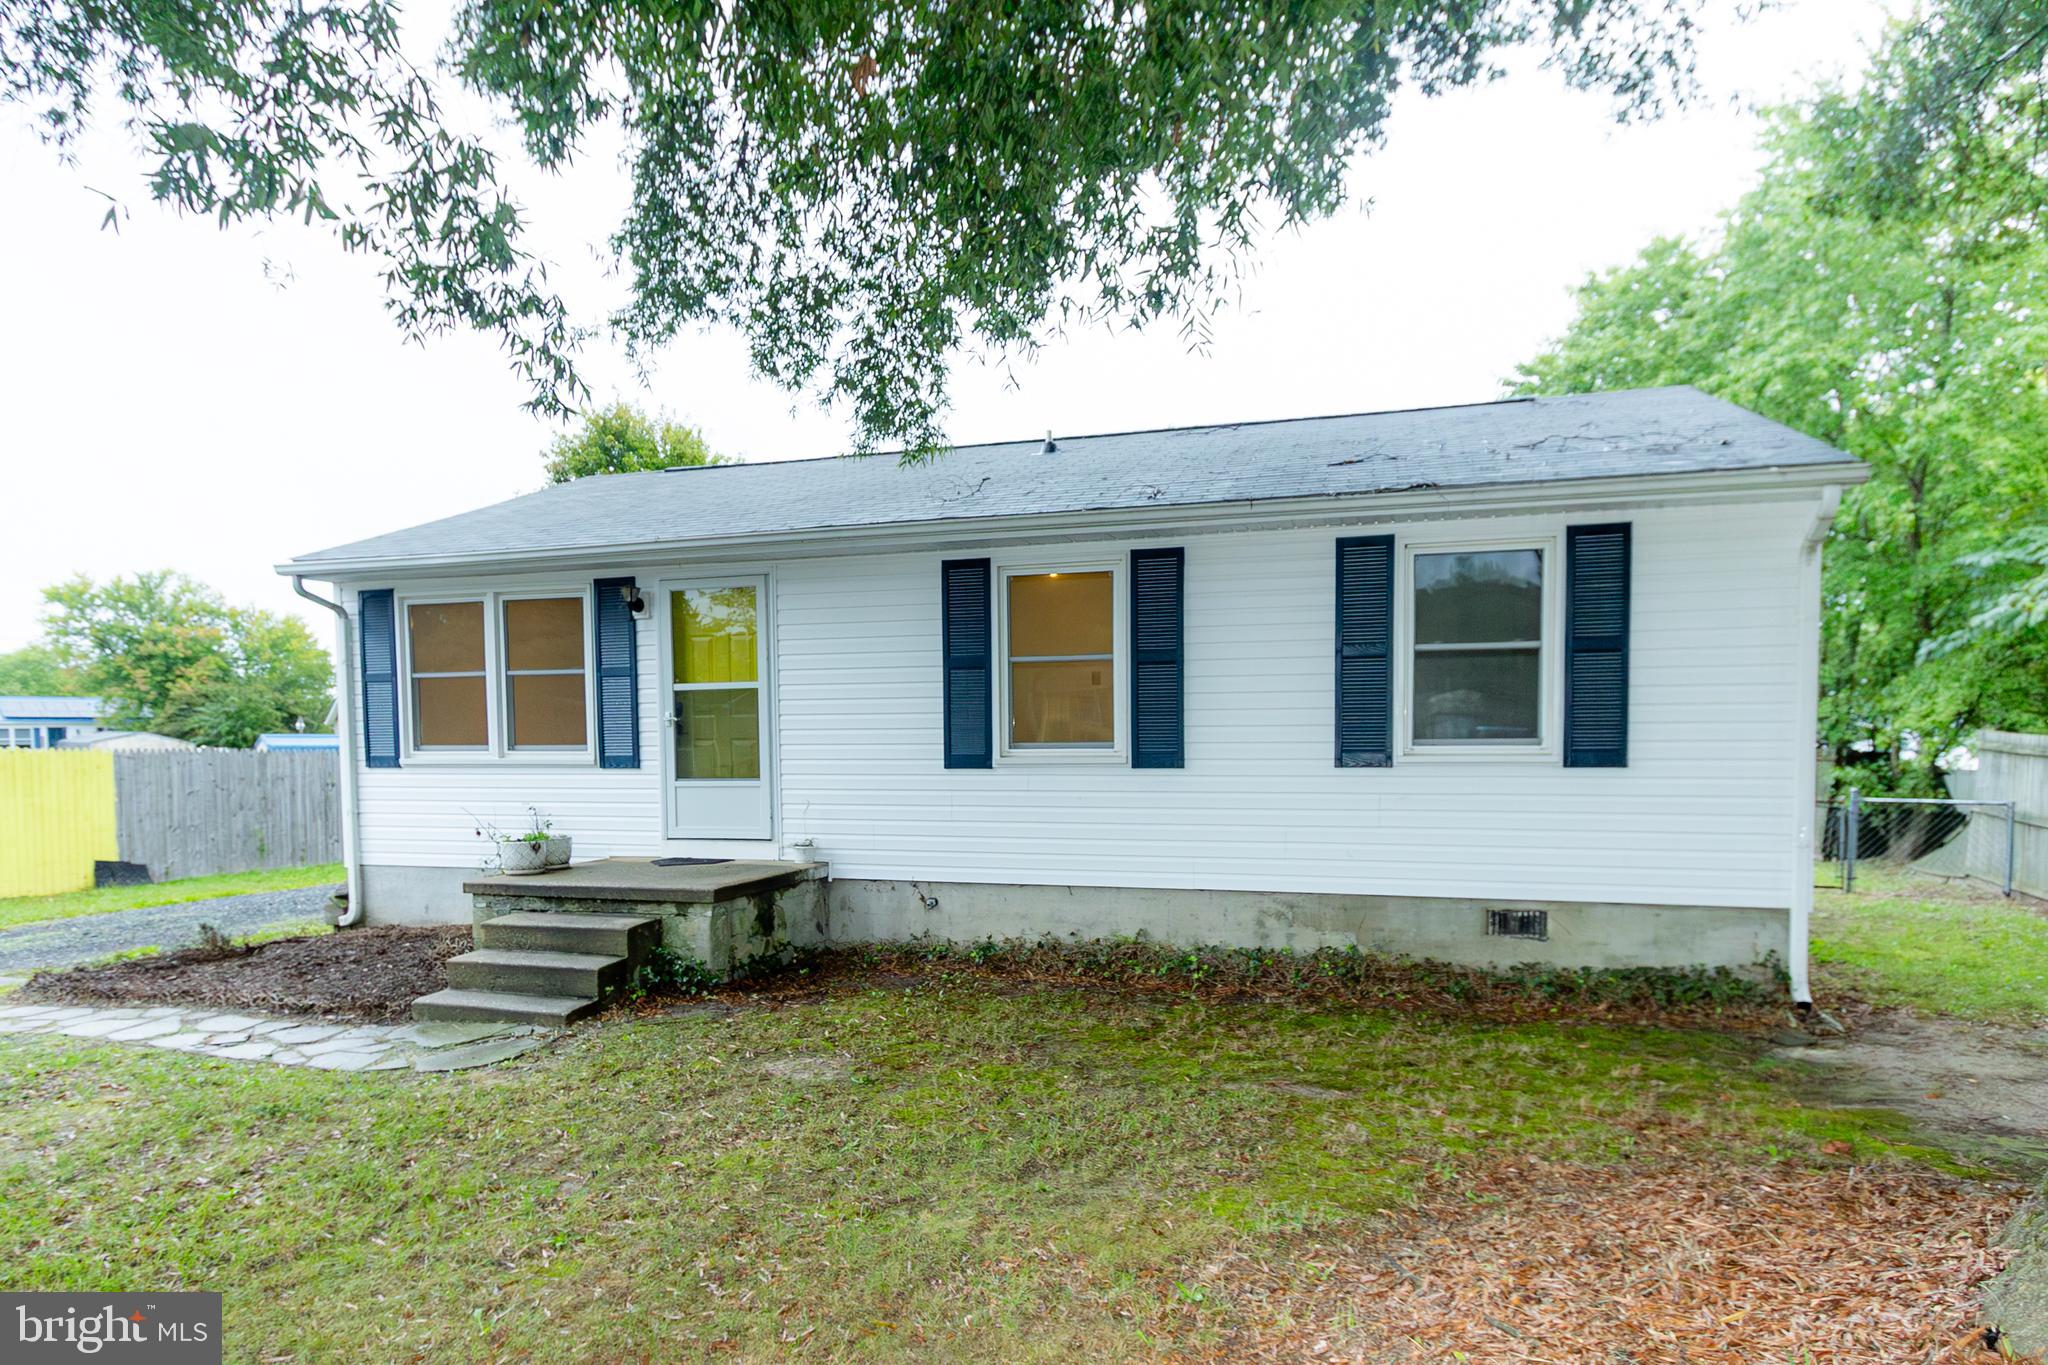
<point>1386,680</point>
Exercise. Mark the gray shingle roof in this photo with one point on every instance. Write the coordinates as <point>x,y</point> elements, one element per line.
<point>49,708</point>
<point>1518,441</point>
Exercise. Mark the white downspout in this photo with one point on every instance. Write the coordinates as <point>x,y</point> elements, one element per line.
<point>1805,734</point>
<point>345,728</point>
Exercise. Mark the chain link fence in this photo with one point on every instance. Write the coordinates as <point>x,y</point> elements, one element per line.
<point>1942,837</point>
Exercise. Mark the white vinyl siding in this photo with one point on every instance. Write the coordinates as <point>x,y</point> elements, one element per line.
<point>1699,817</point>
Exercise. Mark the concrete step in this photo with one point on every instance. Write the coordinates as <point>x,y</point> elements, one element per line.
<point>525,971</point>
<point>556,1011</point>
<point>626,936</point>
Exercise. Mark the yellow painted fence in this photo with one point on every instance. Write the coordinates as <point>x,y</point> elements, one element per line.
<point>56,818</point>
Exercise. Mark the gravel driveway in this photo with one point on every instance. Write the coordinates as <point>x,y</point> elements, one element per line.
<point>66,942</point>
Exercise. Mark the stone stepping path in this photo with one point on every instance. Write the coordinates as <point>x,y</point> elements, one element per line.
<point>322,1044</point>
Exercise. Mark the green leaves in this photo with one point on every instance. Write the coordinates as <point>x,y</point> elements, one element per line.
<point>38,671</point>
<point>867,191</point>
<point>1911,139</point>
<point>1914,340</point>
<point>622,440</point>
<point>251,110</point>
<point>2017,607</point>
<point>170,655</point>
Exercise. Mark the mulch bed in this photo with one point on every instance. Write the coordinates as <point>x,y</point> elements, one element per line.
<point>369,973</point>
<point>1222,977</point>
<point>376,973</point>
<point>1529,1261</point>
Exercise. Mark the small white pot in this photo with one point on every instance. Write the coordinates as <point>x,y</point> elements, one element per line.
<point>800,851</point>
<point>517,858</point>
<point>556,852</point>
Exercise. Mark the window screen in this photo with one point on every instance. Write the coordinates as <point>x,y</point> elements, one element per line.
<point>544,673</point>
<point>1062,659</point>
<point>445,646</point>
<point>1478,651</point>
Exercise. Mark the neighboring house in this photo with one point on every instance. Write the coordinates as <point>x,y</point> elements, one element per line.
<point>126,741</point>
<point>1434,682</point>
<point>315,743</point>
<point>44,722</point>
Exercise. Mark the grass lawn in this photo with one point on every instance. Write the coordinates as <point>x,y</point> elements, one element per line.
<point>949,1170</point>
<point>1903,939</point>
<point>18,910</point>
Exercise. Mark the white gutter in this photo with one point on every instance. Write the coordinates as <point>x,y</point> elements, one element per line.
<point>1805,732</point>
<point>944,533</point>
<point>345,728</point>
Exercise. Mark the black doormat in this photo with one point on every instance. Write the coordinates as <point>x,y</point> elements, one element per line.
<point>689,862</point>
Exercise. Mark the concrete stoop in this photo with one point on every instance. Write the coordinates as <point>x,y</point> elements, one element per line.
<point>551,968</point>
<point>553,948</point>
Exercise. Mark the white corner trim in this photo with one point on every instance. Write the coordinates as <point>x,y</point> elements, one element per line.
<point>1806,734</point>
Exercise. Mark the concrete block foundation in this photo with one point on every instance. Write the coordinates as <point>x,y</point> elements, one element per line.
<point>415,895</point>
<point>820,912</point>
<point>1444,929</point>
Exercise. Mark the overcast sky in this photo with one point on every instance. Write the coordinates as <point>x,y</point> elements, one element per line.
<point>215,402</point>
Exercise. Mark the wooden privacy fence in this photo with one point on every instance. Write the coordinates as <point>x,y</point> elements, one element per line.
<point>2010,767</point>
<point>196,812</point>
<point>56,818</point>
<point>181,813</point>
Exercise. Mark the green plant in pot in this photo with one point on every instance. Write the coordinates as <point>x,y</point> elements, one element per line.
<point>536,850</point>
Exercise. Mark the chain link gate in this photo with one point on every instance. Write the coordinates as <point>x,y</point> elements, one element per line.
<point>1938,836</point>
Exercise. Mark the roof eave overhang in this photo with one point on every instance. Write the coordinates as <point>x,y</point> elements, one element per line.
<point>1412,504</point>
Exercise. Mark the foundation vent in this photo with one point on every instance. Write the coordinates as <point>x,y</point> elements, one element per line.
<point>1518,924</point>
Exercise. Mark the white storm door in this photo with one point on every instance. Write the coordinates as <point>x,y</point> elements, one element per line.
<point>719,762</point>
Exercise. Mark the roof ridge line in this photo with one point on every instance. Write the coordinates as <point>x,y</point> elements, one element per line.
<point>1161,431</point>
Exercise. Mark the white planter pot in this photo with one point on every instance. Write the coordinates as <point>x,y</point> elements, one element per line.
<point>556,851</point>
<point>517,858</point>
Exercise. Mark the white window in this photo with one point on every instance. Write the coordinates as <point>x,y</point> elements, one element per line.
<point>496,674</point>
<point>1058,634</point>
<point>1479,642</point>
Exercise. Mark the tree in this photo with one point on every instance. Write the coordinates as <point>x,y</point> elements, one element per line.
<point>132,639</point>
<point>171,655</point>
<point>272,675</point>
<point>621,439</point>
<point>2014,612</point>
<point>1913,340</point>
<point>38,671</point>
<point>861,188</point>
<point>1954,109</point>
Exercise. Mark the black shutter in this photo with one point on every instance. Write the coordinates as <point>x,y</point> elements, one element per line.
<point>1596,574</point>
<point>967,630</point>
<point>377,628</point>
<point>616,654</point>
<point>1158,652</point>
<point>1365,652</point>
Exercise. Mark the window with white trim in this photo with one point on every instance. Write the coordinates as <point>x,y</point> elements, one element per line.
<point>544,673</point>
<point>450,692</point>
<point>1059,660</point>
<point>1477,647</point>
<point>498,674</point>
